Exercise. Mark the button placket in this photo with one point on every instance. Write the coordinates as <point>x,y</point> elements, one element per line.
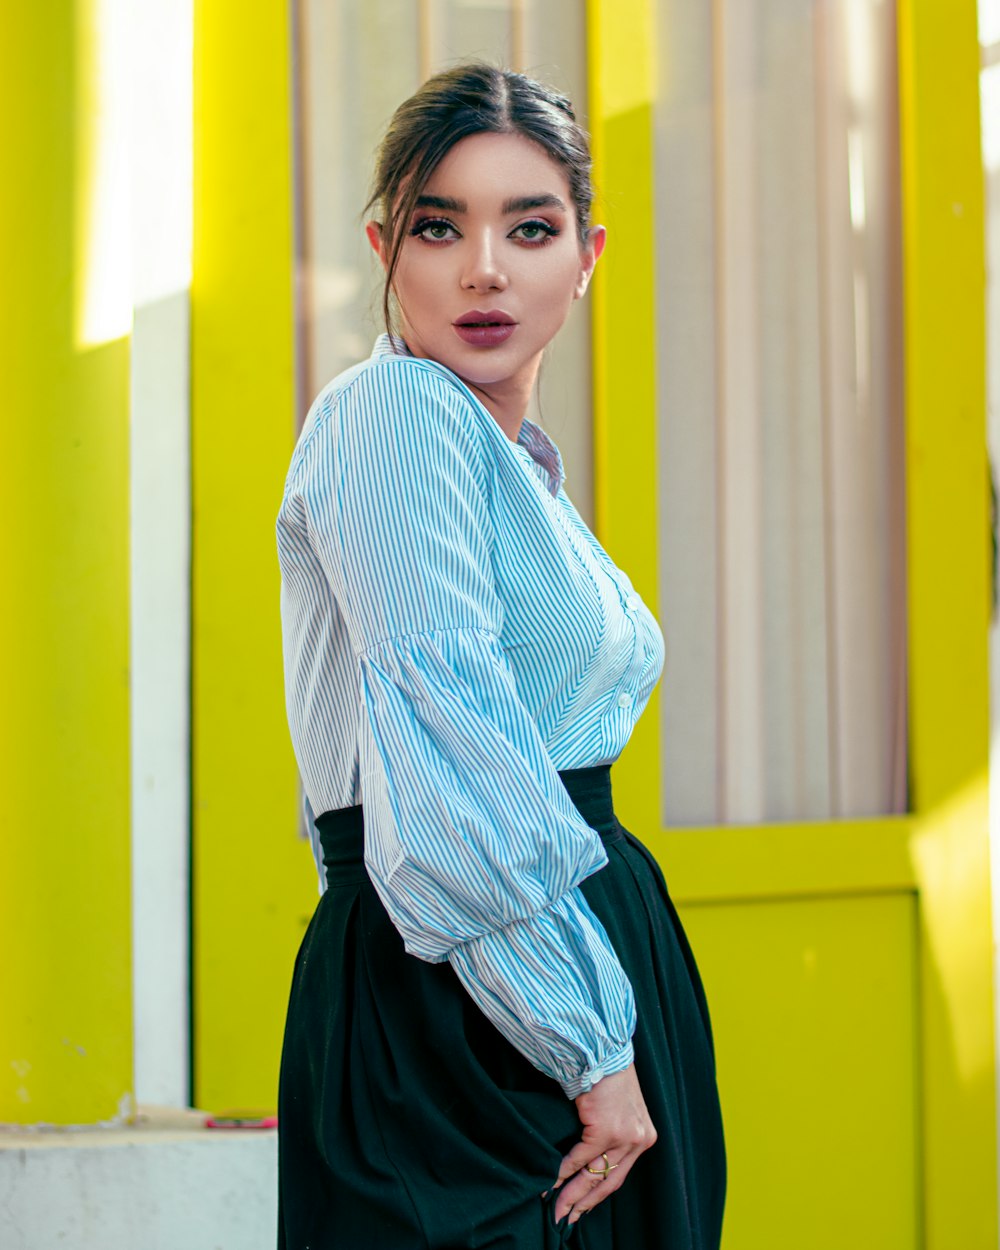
<point>625,699</point>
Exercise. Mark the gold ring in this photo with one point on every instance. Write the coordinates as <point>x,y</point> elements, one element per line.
<point>608,1168</point>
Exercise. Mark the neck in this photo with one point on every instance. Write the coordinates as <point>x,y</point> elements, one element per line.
<point>507,404</point>
<point>507,400</point>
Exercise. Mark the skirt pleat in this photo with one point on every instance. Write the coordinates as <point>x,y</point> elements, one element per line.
<point>406,1120</point>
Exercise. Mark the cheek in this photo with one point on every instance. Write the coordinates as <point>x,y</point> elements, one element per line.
<point>556,285</point>
<point>424,278</point>
<point>413,275</point>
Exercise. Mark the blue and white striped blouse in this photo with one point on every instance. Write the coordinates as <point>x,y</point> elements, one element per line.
<point>454,635</point>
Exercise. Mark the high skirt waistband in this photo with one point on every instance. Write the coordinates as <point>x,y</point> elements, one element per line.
<point>342,831</point>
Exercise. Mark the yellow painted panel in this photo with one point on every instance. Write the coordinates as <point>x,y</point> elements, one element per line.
<point>831,857</point>
<point>65,921</point>
<point>947,525</point>
<point>815,1015</point>
<point>621,83</point>
<point>951,854</point>
<point>948,604</point>
<point>254,887</point>
<point>941,851</point>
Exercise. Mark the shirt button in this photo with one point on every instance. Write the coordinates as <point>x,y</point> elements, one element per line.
<point>624,700</point>
<point>632,602</point>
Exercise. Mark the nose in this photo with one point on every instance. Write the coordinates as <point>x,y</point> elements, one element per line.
<point>483,270</point>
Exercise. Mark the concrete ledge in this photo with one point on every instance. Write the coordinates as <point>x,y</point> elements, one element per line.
<point>164,1183</point>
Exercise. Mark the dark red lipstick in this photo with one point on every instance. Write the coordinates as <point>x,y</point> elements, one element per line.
<point>484,329</point>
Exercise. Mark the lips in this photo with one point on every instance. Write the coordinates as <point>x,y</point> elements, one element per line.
<point>477,318</point>
<point>484,329</point>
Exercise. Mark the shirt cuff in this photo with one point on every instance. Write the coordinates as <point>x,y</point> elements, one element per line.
<point>554,987</point>
<point>618,1061</point>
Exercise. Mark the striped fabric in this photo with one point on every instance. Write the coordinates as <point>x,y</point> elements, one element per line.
<point>453,636</point>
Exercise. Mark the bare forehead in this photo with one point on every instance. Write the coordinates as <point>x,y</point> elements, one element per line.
<point>505,171</point>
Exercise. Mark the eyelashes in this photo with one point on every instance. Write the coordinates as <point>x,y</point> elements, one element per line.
<point>438,230</point>
<point>548,231</point>
<point>421,229</point>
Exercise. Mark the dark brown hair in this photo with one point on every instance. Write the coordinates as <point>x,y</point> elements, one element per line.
<point>468,99</point>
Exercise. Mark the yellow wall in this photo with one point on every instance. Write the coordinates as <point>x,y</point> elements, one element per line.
<point>253,881</point>
<point>65,925</point>
<point>947,530</point>
<point>848,965</point>
<point>621,90</point>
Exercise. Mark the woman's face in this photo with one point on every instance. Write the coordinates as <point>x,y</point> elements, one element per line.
<point>491,261</point>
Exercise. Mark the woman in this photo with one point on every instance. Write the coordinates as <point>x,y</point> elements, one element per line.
<point>496,1025</point>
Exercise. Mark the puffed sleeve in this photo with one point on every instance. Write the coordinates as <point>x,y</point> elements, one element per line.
<point>472,842</point>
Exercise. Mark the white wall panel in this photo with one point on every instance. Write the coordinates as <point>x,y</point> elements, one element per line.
<point>160,161</point>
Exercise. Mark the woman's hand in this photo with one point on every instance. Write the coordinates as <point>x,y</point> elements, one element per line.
<point>616,1123</point>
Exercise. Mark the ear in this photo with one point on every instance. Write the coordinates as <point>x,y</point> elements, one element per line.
<point>374,232</point>
<point>596,239</point>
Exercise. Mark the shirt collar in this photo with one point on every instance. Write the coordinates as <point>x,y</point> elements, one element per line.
<point>531,437</point>
<point>389,345</point>
<point>544,452</point>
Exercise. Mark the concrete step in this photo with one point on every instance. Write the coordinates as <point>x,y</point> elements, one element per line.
<point>163,1183</point>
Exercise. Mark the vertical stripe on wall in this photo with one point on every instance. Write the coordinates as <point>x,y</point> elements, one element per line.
<point>621,50</point>
<point>161,135</point>
<point>947,531</point>
<point>66,1019</point>
<point>253,883</point>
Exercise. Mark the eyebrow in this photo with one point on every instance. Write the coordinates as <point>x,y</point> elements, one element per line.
<point>518,204</point>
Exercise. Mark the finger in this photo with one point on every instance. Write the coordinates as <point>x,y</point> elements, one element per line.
<point>600,1193</point>
<point>583,1152</point>
<point>581,1181</point>
<point>586,1189</point>
<point>574,1192</point>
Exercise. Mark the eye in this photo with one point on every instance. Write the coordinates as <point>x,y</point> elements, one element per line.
<point>434,230</point>
<point>537,233</point>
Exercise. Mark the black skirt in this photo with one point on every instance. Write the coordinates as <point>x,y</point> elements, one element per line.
<point>407,1122</point>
